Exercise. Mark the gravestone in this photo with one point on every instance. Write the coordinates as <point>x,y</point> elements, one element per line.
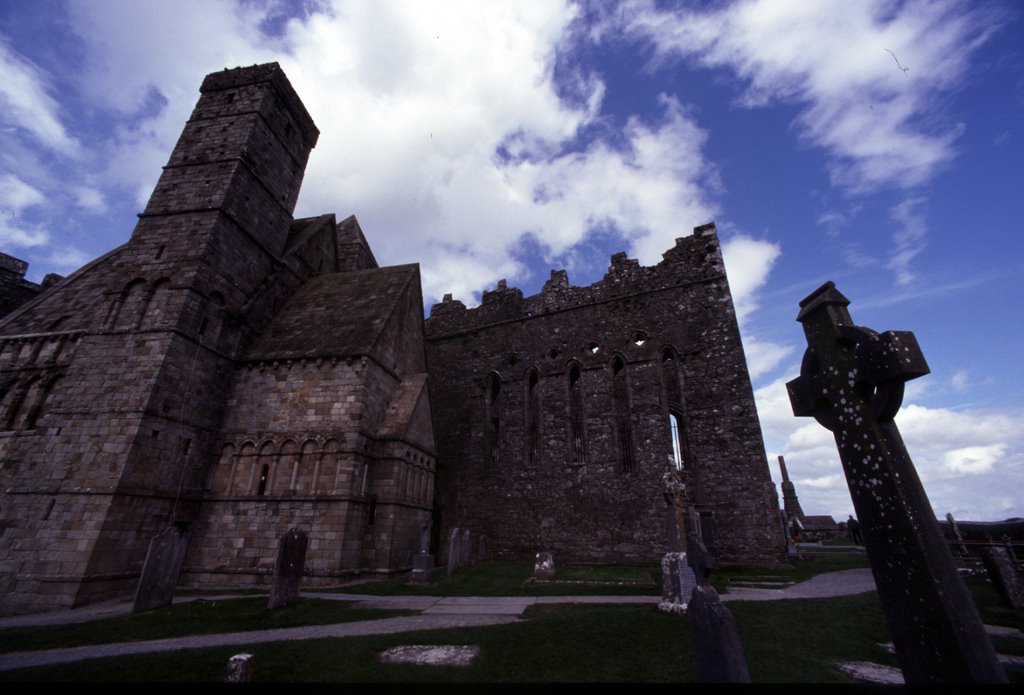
<point>288,570</point>
<point>717,650</point>
<point>544,565</point>
<point>482,549</point>
<point>677,579</point>
<point>1004,576</point>
<point>239,669</point>
<point>423,562</point>
<point>851,381</point>
<point>160,572</point>
<point>454,546</point>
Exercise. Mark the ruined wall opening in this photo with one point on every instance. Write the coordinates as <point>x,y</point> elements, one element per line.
<point>533,417</point>
<point>623,424</point>
<point>576,428</point>
<point>492,420</point>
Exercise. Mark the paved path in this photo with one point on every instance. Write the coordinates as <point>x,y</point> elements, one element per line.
<point>435,612</point>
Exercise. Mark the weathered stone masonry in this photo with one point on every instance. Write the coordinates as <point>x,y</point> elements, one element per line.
<point>240,372</point>
<point>126,388</point>
<point>552,412</point>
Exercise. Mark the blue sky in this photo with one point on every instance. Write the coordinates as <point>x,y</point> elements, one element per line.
<point>876,144</point>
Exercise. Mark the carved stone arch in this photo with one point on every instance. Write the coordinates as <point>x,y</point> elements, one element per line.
<point>266,457</point>
<point>243,476</point>
<point>309,460</point>
<point>211,319</point>
<point>154,304</point>
<point>639,337</point>
<point>37,403</point>
<point>287,466</point>
<point>8,392</point>
<point>330,466</point>
<point>24,392</point>
<point>124,310</point>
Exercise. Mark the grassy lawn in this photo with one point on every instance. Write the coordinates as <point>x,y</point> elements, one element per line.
<point>559,643</point>
<point>193,618</point>
<point>501,578</point>
<point>784,641</point>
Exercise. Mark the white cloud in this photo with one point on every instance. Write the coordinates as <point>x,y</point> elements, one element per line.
<point>90,199</point>
<point>748,262</point>
<point>835,59</point>
<point>443,127</point>
<point>973,460</point>
<point>13,234</point>
<point>16,195</point>
<point>965,459</point>
<point>960,381</point>
<point>909,238</point>
<point>27,107</point>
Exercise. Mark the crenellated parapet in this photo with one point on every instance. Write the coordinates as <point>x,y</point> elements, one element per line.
<point>693,259</point>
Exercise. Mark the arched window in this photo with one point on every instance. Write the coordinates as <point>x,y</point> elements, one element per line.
<point>287,466</point>
<point>623,424</point>
<point>492,420</point>
<point>264,474</point>
<point>533,417</point>
<point>576,448</point>
<point>244,471</point>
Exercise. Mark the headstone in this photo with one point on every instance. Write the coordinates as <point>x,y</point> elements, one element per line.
<point>851,381</point>
<point>466,551</point>
<point>288,570</point>
<point>717,649</point>
<point>160,572</point>
<point>239,669</point>
<point>423,562</point>
<point>454,546</point>
<point>677,583</point>
<point>1004,576</point>
<point>482,549</point>
<point>544,565</point>
<point>677,579</point>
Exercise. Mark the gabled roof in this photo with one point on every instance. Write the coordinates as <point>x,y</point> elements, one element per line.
<point>335,315</point>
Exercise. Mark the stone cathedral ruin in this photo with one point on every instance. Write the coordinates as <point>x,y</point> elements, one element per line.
<point>234,372</point>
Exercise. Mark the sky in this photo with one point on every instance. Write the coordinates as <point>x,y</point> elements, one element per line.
<point>876,144</point>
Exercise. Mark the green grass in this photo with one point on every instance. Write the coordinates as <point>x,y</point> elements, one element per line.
<point>795,641</point>
<point>191,618</point>
<point>784,641</point>
<point>796,572</point>
<point>500,578</point>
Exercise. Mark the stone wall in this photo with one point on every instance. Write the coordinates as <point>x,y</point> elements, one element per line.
<point>509,379</point>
